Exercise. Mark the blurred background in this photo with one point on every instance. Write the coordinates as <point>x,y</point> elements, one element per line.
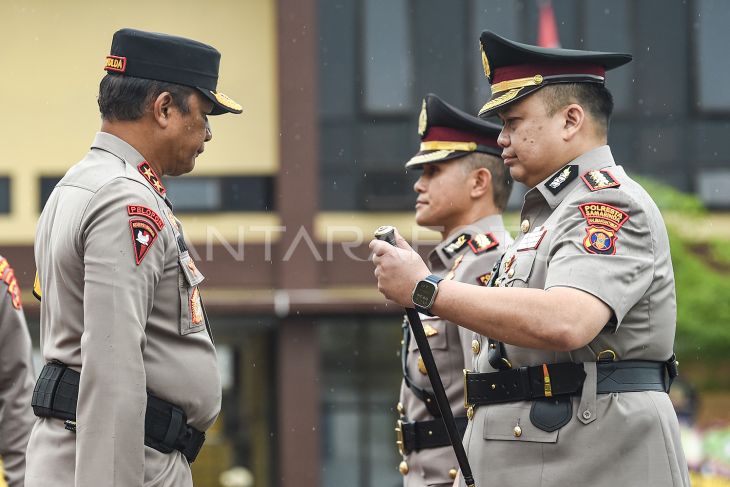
<point>281,206</point>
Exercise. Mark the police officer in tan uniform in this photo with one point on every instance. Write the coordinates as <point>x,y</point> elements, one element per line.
<point>16,380</point>
<point>131,381</point>
<point>577,325</point>
<point>462,191</point>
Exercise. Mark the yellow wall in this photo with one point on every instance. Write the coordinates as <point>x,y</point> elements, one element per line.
<point>51,58</point>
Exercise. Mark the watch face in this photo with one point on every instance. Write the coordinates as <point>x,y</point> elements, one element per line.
<point>424,293</point>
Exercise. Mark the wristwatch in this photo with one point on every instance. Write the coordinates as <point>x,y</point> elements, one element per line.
<point>424,294</point>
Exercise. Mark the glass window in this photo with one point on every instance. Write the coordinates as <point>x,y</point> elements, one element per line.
<point>387,58</point>
<point>4,194</point>
<point>712,187</point>
<point>710,30</point>
<point>360,387</point>
<point>607,29</point>
<point>232,193</point>
<point>47,184</point>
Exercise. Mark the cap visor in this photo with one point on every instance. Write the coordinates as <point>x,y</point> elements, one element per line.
<point>426,157</point>
<point>221,103</point>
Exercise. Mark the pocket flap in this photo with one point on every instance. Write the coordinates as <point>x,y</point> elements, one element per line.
<point>511,422</point>
<point>435,330</point>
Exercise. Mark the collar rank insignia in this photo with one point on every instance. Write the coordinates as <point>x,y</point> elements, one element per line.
<point>483,242</point>
<point>604,222</point>
<point>143,236</point>
<point>602,179</point>
<point>562,178</point>
<point>151,176</point>
<point>483,280</point>
<point>457,245</point>
<point>7,275</point>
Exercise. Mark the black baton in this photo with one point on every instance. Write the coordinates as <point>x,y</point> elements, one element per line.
<point>387,234</point>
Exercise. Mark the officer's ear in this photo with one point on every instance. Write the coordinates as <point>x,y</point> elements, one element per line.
<point>162,109</point>
<point>481,182</point>
<point>573,119</point>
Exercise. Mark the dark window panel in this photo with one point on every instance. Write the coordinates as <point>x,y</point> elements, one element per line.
<point>387,60</point>
<point>47,184</point>
<point>227,193</point>
<point>4,195</point>
<point>712,18</point>
<point>387,191</point>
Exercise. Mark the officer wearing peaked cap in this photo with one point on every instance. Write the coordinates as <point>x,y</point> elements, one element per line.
<point>131,380</point>
<point>461,192</point>
<point>16,380</point>
<point>576,326</point>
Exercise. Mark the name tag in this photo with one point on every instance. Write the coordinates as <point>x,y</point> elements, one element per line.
<point>532,240</point>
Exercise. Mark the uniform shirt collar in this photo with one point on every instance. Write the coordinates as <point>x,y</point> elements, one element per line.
<point>598,158</point>
<point>116,146</point>
<point>139,167</point>
<point>492,223</point>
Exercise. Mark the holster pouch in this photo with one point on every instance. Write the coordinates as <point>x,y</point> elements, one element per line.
<point>551,413</point>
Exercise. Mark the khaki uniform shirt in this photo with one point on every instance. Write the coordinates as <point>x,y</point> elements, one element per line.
<point>453,259</point>
<point>16,379</point>
<point>120,304</point>
<point>589,227</point>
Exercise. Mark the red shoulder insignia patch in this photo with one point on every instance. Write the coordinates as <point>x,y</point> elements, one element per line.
<point>483,242</point>
<point>151,176</point>
<point>143,236</point>
<point>139,210</point>
<point>7,275</point>
<point>602,179</point>
<point>604,222</point>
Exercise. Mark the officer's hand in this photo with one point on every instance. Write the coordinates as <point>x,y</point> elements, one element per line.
<point>397,269</point>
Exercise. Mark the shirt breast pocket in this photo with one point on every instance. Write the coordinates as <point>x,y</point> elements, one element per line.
<point>518,275</point>
<point>436,334</point>
<point>192,318</point>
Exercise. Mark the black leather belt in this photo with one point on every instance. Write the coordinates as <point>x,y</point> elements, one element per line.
<point>420,435</point>
<point>56,394</point>
<point>547,380</point>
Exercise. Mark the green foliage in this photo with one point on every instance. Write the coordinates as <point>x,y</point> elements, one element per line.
<point>670,199</point>
<point>702,277</point>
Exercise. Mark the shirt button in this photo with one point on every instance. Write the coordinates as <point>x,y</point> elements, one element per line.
<point>511,273</point>
<point>422,366</point>
<point>586,414</point>
<point>517,431</point>
<point>452,473</point>
<point>401,410</point>
<point>525,226</point>
<point>403,468</point>
<point>475,346</point>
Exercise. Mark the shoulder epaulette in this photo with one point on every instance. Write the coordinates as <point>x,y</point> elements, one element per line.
<point>600,179</point>
<point>457,245</point>
<point>483,242</point>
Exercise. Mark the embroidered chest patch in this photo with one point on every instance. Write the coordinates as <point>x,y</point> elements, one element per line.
<point>562,179</point>
<point>151,176</point>
<point>604,222</point>
<point>602,179</point>
<point>483,242</point>
<point>457,245</point>
<point>143,236</point>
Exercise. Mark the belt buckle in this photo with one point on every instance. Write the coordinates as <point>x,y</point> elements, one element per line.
<point>469,407</point>
<point>399,442</point>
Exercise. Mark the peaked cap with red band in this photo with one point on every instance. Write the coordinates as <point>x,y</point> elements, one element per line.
<point>515,70</point>
<point>172,59</point>
<point>447,133</point>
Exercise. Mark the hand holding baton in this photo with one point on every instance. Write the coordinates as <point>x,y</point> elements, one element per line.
<point>387,234</point>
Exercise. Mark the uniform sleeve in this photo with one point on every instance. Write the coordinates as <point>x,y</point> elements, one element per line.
<point>16,389</point>
<point>118,293</point>
<point>603,245</point>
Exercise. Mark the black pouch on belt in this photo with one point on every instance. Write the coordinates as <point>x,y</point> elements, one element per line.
<point>551,413</point>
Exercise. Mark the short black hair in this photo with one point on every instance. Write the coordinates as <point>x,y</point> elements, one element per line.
<point>501,178</point>
<point>125,98</point>
<point>595,98</point>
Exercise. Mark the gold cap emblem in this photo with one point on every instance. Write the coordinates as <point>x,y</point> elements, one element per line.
<point>485,61</point>
<point>423,120</point>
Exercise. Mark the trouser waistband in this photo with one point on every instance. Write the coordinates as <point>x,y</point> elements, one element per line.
<point>421,435</point>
